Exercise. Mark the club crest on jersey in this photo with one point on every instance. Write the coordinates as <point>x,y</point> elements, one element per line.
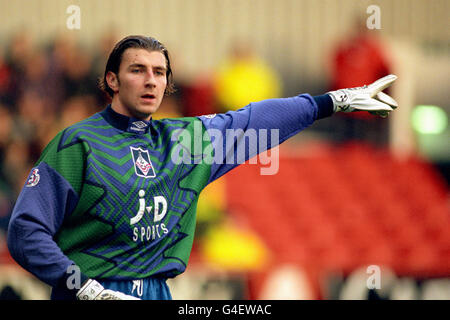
<point>34,178</point>
<point>142,164</point>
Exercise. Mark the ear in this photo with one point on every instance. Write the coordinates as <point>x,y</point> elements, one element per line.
<point>113,81</point>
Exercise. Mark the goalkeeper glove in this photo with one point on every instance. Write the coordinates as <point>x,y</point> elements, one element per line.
<point>367,98</point>
<point>92,290</point>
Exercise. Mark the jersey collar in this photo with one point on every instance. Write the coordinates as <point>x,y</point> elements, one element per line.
<point>124,123</point>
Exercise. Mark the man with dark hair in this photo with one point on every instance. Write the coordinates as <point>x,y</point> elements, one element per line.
<point>137,42</point>
<point>108,211</point>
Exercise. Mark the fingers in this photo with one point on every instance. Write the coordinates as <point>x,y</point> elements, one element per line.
<point>373,105</point>
<point>382,83</point>
<point>383,97</point>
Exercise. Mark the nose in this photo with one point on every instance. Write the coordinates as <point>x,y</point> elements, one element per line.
<point>150,80</point>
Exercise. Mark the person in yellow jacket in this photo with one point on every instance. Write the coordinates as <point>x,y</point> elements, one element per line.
<point>244,77</point>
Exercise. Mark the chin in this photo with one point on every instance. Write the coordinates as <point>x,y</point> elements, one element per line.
<point>145,111</point>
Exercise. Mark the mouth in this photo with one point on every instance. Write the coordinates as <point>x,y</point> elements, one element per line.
<point>148,97</point>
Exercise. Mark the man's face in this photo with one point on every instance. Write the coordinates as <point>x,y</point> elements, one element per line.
<point>141,83</point>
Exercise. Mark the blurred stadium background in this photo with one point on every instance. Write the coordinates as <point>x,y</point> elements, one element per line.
<point>352,194</point>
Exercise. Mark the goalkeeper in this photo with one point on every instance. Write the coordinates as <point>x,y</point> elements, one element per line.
<point>106,196</point>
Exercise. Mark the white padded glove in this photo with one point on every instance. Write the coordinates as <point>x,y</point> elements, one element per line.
<point>92,290</point>
<point>367,98</point>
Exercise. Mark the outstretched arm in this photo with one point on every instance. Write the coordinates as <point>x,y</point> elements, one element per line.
<point>273,121</point>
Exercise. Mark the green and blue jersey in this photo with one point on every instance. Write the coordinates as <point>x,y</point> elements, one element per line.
<point>117,196</point>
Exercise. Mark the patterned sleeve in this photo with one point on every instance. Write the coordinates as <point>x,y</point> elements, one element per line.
<point>49,194</point>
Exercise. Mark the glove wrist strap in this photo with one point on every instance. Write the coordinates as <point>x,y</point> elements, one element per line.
<point>337,104</point>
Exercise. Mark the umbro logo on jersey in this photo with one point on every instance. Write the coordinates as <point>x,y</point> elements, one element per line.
<point>138,126</point>
<point>142,164</point>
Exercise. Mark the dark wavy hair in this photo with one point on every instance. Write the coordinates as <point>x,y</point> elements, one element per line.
<point>141,42</point>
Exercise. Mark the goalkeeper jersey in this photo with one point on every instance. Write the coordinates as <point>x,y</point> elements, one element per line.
<point>117,196</point>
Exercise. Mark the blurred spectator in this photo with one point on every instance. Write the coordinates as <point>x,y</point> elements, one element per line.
<point>6,124</point>
<point>31,111</point>
<point>360,60</point>
<point>76,109</point>
<point>6,81</point>
<point>6,194</point>
<point>59,52</point>
<point>243,78</point>
<point>17,164</point>
<point>18,52</point>
<point>35,75</point>
<point>72,71</point>
<point>194,92</point>
<point>6,206</point>
<point>73,110</point>
<point>77,77</point>
<point>197,97</point>
<point>105,45</point>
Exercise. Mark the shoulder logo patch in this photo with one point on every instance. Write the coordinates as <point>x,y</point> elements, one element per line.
<point>34,178</point>
<point>142,164</point>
